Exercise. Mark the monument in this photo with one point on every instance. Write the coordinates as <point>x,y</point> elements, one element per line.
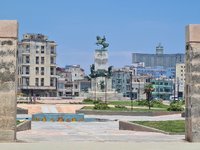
<point>192,83</point>
<point>8,79</point>
<point>101,80</point>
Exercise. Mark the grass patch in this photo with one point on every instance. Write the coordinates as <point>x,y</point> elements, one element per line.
<point>171,126</point>
<point>18,122</point>
<point>155,104</point>
<point>123,109</point>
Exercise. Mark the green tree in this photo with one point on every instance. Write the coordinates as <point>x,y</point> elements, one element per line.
<point>148,89</point>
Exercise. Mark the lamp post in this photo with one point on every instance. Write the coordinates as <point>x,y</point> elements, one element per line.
<point>131,77</point>
<point>105,88</point>
<point>138,89</point>
<point>175,89</point>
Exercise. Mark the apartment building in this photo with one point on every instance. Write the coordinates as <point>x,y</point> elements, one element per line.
<point>37,66</point>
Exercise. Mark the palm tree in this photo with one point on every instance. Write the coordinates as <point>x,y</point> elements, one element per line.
<point>148,89</point>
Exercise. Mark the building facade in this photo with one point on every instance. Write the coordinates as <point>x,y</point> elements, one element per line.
<point>157,72</point>
<point>37,66</point>
<point>71,81</point>
<point>164,88</point>
<point>126,81</point>
<point>158,59</point>
<point>122,81</point>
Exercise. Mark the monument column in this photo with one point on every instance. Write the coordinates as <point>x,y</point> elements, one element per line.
<point>8,79</point>
<point>192,83</point>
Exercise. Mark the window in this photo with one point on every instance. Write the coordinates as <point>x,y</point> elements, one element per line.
<point>27,59</point>
<point>27,70</point>
<point>37,70</point>
<point>52,50</point>
<point>42,70</point>
<point>42,60</point>
<point>42,49</point>
<point>36,82</point>
<point>51,82</point>
<point>76,86</point>
<point>25,81</point>
<point>28,48</point>
<point>37,60</point>
<point>37,49</point>
<point>52,71</point>
<point>52,60</point>
<point>42,81</point>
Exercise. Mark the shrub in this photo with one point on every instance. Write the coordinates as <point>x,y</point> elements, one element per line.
<point>144,103</point>
<point>157,103</point>
<point>101,106</point>
<point>121,107</point>
<point>87,100</point>
<point>97,101</point>
<point>175,106</point>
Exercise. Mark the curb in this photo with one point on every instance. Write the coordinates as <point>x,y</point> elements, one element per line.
<point>137,127</point>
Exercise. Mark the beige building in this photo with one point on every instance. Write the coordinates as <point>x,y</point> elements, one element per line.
<point>37,66</point>
<point>71,81</point>
<point>180,79</point>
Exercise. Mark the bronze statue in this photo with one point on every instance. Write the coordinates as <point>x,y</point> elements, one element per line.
<point>101,41</point>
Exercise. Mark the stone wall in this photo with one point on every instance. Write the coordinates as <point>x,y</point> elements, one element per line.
<point>8,52</point>
<point>192,84</point>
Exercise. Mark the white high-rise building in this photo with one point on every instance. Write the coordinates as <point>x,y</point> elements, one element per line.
<point>37,66</point>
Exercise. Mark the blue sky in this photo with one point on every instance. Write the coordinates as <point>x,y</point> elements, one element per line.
<point>129,25</point>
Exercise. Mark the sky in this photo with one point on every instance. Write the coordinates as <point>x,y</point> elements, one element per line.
<point>129,26</point>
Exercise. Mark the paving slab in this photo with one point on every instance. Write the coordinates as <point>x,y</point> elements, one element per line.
<point>89,131</point>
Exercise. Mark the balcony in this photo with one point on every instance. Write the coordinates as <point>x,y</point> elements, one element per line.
<point>26,51</point>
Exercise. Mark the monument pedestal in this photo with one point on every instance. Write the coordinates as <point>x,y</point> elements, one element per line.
<point>8,79</point>
<point>192,83</point>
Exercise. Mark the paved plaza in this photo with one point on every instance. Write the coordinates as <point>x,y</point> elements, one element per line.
<point>94,135</point>
<point>95,131</point>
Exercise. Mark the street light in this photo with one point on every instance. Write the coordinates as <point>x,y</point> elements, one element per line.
<point>131,76</point>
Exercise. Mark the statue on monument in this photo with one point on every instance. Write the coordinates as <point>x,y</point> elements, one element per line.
<point>101,41</point>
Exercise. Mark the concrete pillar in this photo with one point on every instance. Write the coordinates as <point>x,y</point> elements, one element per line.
<point>192,84</point>
<point>8,79</point>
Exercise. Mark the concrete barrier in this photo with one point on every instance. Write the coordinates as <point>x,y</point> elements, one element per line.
<point>22,111</point>
<point>26,125</point>
<point>137,127</point>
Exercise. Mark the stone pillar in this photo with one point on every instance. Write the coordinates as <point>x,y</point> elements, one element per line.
<point>8,79</point>
<point>192,83</point>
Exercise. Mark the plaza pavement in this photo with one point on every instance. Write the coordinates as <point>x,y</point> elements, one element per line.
<point>96,131</point>
<point>94,135</point>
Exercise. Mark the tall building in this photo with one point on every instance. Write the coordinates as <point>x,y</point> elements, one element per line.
<point>158,59</point>
<point>37,66</point>
<point>180,80</point>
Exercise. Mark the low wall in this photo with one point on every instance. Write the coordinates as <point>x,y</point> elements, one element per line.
<point>125,113</point>
<point>26,125</point>
<point>136,127</point>
<point>22,111</point>
<point>60,117</point>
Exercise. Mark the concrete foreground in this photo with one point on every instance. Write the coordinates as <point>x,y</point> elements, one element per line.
<point>101,146</point>
<point>91,132</point>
